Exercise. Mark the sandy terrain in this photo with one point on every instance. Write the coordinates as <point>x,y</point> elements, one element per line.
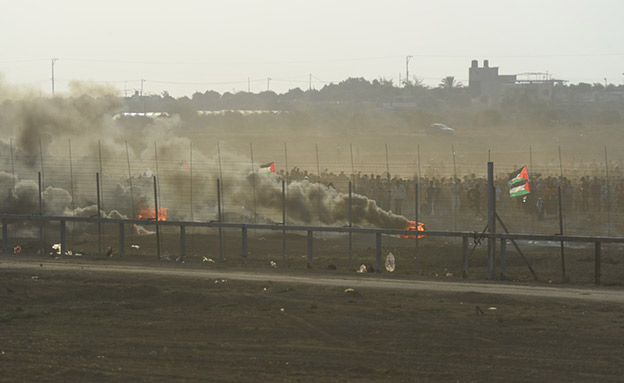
<point>139,319</point>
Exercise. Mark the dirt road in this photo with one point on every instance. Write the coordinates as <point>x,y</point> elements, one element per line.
<point>615,295</point>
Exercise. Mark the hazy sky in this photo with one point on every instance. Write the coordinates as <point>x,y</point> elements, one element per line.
<point>186,46</point>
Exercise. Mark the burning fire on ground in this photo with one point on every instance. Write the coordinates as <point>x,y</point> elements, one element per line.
<point>411,226</point>
<point>149,213</point>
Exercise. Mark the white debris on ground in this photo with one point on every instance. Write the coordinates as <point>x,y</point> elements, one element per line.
<point>390,263</point>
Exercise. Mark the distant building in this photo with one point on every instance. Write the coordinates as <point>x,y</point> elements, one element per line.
<point>535,86</point>
<point>488,86</point>
<point>485,83</point>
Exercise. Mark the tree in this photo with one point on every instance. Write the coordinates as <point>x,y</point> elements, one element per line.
<point>449,82</point>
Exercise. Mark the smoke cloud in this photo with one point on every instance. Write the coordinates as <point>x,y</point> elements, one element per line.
<point>69,138</point>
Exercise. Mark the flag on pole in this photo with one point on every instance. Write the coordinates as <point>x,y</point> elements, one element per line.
<point>267,168</point>
<point>519,183</point>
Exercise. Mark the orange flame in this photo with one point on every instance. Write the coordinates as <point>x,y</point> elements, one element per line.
<point>411,225</point>
<point>149,213</point>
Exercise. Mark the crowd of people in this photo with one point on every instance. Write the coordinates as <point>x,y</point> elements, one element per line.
<point>441,196</point>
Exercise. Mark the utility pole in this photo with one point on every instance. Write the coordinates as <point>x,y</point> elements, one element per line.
<point>268,80</point>
<point>407,60</point>
<point>142,87</point>
<point>310,86</point>
<point>53,61</point>
<point>248,85</point>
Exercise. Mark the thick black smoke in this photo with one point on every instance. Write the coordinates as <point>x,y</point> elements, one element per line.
<point>309,202</point>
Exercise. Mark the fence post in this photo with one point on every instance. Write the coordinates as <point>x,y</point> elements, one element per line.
<point>5,236</point>
<point>220,217</point>
<point>63,238</point>
<point>491,220</point>
<point>563,266</point>
<point>99,213</point>
<point>416,218</point>
<point>310,248</point>
<point>465,255</point>
<point>122,239</point>
<point>503,258</point>
<point>41,232</point>
<point>378,251</point>
<point>156,217</point>
<point>598,261</point>
<point>284,221</point>
<point>350,225</point>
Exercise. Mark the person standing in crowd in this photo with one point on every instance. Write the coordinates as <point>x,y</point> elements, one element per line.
<point>432,196</point>
<point>455,192</point>
<point>474,199</point>
<point>595,190</point>
<point>584,194</point>
<point>398,195</point>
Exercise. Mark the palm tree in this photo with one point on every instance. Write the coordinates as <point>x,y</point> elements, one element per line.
<point>449,82</point>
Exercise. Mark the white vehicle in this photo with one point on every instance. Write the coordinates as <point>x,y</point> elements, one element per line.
<point>440,129</point>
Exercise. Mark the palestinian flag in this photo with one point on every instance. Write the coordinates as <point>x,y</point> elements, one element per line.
<point>519,183</point>
<point>267,168</point>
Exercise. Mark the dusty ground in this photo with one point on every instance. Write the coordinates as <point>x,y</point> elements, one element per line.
<point>105,326</point>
